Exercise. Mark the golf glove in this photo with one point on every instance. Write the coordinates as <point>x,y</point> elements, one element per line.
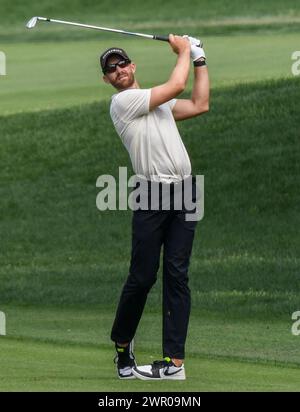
<point>196,50</point>
<point>194,41</point>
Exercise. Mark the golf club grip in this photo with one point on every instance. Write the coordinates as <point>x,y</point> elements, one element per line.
<point>162,38</point>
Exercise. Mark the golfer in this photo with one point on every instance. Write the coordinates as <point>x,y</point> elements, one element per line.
<point>145,120</point>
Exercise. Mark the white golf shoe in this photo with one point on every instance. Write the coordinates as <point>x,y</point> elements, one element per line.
<point>164,369</point>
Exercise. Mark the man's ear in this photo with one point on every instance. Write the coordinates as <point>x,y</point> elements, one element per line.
<point>133,66</point>
<point>105,78</point>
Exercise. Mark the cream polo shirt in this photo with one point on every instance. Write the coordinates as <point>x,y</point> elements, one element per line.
<point>151,137</point>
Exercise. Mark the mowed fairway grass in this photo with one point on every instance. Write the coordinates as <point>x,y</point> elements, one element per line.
<point>63,262</point>
<point>55,349</point>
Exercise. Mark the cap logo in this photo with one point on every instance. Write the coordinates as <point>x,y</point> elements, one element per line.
<point>111,51</point>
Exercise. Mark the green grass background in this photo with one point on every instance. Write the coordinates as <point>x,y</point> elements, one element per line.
<point>67,73</point>
<point>63,262</point>
<point>200,16</point>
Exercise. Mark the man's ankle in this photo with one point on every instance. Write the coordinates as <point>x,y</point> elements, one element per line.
<point>122,345</point>
<point>177,362</point>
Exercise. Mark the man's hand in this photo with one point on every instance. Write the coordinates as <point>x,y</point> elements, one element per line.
<point>179,44</point>
<point>193,41</point>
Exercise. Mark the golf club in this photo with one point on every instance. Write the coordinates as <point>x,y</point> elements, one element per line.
<point>32,23</point>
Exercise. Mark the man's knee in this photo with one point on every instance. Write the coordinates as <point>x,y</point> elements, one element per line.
<point>141,281</point>
<point>176,270</point>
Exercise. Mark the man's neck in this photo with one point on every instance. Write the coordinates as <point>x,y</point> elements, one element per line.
<point>135,85</point>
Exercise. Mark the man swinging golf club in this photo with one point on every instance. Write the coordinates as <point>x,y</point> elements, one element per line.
<point>145,121</point>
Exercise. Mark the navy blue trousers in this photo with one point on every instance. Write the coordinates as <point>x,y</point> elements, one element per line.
<point>152,230</point>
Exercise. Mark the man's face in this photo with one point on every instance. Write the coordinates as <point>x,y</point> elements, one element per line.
<point>121,78</point>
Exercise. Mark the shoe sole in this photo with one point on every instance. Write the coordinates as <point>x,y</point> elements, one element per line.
<point>148,378</point>
<point>126,377</point>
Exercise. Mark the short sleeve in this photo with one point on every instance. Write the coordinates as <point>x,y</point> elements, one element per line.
<point>132,103</point>
<point>172,103</point>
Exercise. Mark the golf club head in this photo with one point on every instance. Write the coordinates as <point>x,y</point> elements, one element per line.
<point>32,22</point>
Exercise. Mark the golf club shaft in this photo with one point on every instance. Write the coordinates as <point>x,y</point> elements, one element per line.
<point>88,26</point>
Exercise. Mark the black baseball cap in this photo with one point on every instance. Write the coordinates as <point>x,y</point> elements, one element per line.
<point>109,52</point>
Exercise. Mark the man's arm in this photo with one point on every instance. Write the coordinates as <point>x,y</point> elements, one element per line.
<point>199,102</point>
<point>178,79</point>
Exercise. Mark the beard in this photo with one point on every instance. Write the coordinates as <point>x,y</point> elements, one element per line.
<point>124,83</point>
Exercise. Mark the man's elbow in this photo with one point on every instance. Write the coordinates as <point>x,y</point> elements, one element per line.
<point>203,108</point>
<point>179,87</point>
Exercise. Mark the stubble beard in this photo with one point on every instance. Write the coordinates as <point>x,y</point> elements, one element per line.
<point>126,83</point>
